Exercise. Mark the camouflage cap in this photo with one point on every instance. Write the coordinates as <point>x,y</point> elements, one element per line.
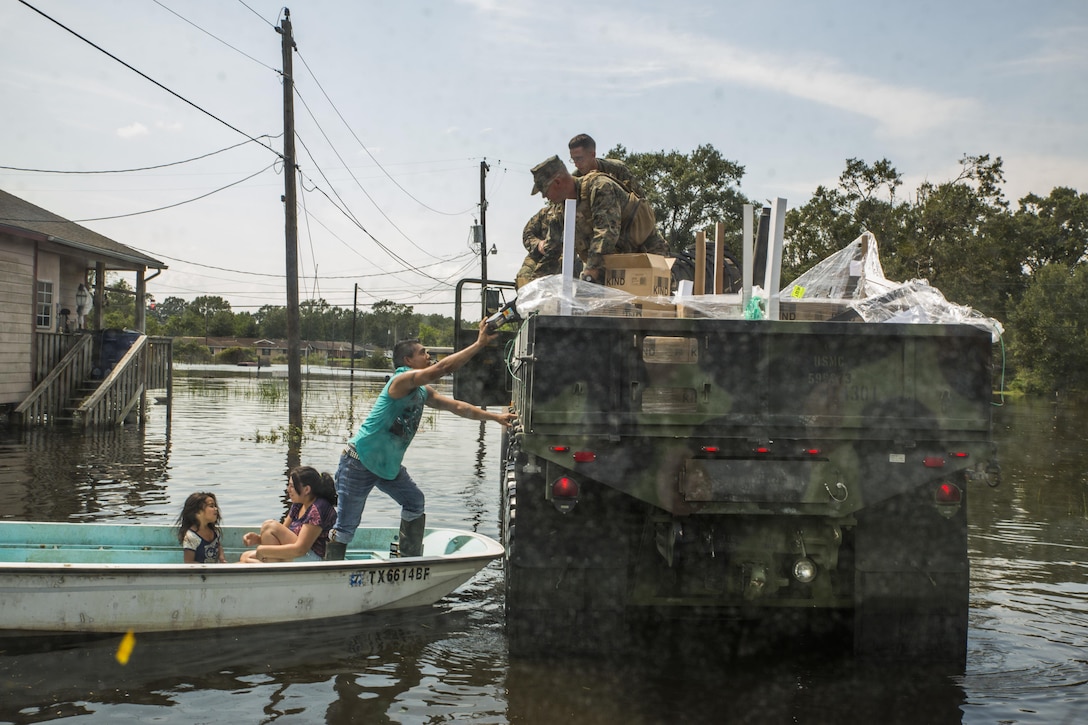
<point>544,172</point>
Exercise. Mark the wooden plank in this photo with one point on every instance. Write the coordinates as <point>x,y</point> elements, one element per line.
<point>719,258</point>
<point>700,263</point>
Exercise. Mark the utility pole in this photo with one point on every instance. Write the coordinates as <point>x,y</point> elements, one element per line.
<point>354,316</point>
<point>483,238</point>
<point>294,363</point>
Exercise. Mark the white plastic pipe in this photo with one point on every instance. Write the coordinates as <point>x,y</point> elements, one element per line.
<point>569,210</point>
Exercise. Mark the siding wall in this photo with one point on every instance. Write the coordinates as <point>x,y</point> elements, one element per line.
<point>16,319</point>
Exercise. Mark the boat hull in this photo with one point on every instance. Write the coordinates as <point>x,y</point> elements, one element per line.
<point>59,587</point>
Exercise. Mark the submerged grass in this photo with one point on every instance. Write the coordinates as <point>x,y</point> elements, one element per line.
<point>326,413</point>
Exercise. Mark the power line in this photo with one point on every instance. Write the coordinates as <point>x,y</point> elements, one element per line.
<point>363,146</point>
<point>356,180</point>
<point>408,265</point>
<point>144,75</point>
<point>215,37</point>
<point>279,275</point>
<point>139,168</point>
<point>271,25</point>
<point>161,208</point>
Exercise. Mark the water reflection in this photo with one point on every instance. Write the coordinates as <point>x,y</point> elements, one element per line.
<point>1028,621</point>
<point>62,474</point>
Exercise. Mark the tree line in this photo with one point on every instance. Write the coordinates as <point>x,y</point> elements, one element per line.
<point>212,316</point>
<point>1023,264</point>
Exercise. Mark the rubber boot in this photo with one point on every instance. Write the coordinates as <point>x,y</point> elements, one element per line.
<point>335,551</point>
<point>411,536</point>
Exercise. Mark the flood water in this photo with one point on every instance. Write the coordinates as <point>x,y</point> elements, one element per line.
<point>1028,637</point>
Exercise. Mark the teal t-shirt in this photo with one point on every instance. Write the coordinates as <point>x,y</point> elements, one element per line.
<point>387,431</point>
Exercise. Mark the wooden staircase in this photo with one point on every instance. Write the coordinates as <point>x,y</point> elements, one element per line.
<point>85,389</point>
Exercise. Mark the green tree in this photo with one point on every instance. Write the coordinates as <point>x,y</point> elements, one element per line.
<point>959,239</point>
<point>245,325</point>
<point>272,320</point>
<point>832,218</point>
<point>391,322</point>
<point>191,352</point>
<point>1049,344</point>
<point>428,335</point>
<point>1054,229</point>
<point>235,355</point>
<point>119,309</point>
<point>689,192</point>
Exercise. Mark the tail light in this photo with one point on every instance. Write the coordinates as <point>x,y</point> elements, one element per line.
<point>948,493</point>
<point>948,498</point>
<point>564,494</point>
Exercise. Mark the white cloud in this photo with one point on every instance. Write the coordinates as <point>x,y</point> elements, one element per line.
<point>899,111</point>
<point>134,129</point>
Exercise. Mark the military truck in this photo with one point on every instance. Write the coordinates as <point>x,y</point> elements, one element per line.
<point>738,469</point>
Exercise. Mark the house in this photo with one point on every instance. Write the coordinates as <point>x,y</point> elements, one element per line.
<point>51,298</point>
<point>328,352</point>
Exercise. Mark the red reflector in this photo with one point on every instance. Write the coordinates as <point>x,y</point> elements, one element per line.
<point>958,454</point>
<point>763,449</point>
<point>948,493</point>
<point>560,449</point>
<point>813,451</point>
<point>565,487</point>
<point>711,449</point>
<point>585,456</point>
<point>933,462</point>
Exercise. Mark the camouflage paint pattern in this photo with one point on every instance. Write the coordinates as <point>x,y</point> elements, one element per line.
<point>749,444</point>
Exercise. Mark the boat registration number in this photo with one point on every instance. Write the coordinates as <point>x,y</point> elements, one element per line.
<point>396,575</point>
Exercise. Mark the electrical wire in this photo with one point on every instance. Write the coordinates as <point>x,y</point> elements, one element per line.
<point>350,173</point>
<point>215,37</point>
<point>139,168</point>
<point>161,208</point>
<point>272,25</point>
<point>363,146</point>
<point>408,265</point>
<point>145,76</point>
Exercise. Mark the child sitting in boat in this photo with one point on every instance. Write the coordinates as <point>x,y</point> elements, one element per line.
<point>304,532</point>
<point>198,530</point>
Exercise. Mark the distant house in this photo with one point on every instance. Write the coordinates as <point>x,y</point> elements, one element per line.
<point>267,350</point>
<point>51,274</point>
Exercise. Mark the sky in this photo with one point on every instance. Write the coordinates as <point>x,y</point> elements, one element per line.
<point>398,103</point>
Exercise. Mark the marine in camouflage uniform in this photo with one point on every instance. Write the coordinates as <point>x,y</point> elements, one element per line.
<point>617,170</point>
<point>609,219</point>
<point>583,154</point>
<point>543,240</point>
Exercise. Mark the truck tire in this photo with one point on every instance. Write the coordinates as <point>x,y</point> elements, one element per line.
<point>565,586</point>
<point>911,586</point>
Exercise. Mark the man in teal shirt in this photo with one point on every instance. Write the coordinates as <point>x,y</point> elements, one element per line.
<point>374,454</point>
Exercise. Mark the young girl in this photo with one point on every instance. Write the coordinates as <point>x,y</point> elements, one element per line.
<point>198,530</point>
<point>304,532</point>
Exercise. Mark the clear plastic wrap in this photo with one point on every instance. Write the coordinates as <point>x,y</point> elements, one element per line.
<point>849,284</point>
<point>853,272</point>
<point>545,296</point>
<point>917,302</point>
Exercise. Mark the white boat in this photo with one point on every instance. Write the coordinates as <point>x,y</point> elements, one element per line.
<point>108,578</point>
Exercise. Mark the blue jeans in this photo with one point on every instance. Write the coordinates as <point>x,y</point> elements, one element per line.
<point>353,484</point>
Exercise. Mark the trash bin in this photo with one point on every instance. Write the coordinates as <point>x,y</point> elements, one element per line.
<point>115,343</point>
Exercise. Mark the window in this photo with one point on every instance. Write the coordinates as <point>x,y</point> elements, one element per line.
<point>45,305</point>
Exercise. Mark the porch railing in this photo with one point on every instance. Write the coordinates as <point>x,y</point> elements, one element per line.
<point>121,391</point>
<point>146,365</point>
<point>62,379</point>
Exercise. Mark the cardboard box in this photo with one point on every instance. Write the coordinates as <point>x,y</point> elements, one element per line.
<point>815,310</point>
<point>640,275</point>
<point>637,308</point>
<point>720,307</point>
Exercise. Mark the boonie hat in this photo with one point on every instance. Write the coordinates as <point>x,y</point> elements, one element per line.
<point>544,172</point>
